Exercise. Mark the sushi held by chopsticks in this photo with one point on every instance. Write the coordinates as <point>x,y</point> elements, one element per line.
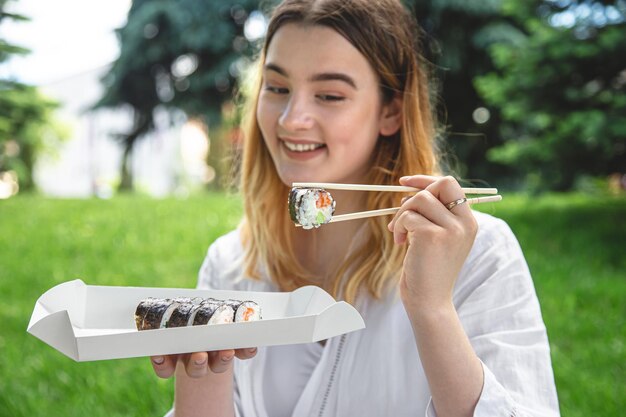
<point>311,206</point>
<point>159,313</point>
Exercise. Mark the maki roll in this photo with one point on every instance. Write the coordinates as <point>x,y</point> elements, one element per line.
<point>158,313</point>
<point>213,313</point>
<point>310,207</point>
<point>142,310</point>
<point>245,310</point>
<point>180,315</point>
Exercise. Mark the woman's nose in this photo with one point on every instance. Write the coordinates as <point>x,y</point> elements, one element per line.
<point>296,115</point>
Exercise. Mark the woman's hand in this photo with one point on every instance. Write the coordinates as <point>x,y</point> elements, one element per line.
<point>439,241</point>
<point>198,364</point>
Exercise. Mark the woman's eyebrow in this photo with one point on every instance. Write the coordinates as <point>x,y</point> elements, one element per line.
<point>324,76</point>
<point>334,76</point>
<point>273,67</point>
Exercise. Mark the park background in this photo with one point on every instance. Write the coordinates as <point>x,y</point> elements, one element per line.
<point>118,173</point>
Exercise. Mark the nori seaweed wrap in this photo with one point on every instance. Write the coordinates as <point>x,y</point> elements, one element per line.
<point>157,313</point>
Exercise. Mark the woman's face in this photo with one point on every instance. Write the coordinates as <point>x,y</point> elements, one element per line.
<point>319,109</point>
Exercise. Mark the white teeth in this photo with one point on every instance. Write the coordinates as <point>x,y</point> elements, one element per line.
<point>302,147</point>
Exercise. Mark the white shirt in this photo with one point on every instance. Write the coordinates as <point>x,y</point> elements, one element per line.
<point>288,369</point>
<point>377,371</point>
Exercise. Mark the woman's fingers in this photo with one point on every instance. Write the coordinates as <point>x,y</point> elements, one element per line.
<point>418,181</point>
<point>425,203</point>
<point>431,201</point>
<point>411,221</point>
<point>447,189</point>
<point>247,353</point>
<point>198,364</point>
<point>165,365</point>
<point>221,360</point>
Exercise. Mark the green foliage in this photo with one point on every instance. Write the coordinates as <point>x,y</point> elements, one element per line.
<point>562,97</point>
<point>26,117</point>
<point>183,55</point>
<point>573,244</point>
<point>26,129</point>
<point>554,88</point>
<point>160,32</point>
<point>458,35</point>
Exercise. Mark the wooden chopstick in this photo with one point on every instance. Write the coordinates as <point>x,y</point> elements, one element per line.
<point>384,212</point>
<point>393,188</point>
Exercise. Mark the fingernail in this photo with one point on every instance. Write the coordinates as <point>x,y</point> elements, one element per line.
<point>226,358</point>
<point>252,350</point>
<point>158,360</point>
<point>404,178</point>
<point>200,361</point>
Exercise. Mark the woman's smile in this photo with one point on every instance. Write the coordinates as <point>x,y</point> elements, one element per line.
<point>302,150</point>
<point>300,147</point>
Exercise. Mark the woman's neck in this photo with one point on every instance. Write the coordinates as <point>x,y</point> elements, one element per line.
<point>321,251</point>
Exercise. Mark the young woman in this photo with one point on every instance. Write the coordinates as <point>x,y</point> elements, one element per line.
<point>453,325</point>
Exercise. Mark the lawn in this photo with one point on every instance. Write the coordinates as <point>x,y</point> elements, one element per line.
<point>575,246</point>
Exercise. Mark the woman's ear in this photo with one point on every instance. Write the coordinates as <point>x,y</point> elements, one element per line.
<point>391,117</point>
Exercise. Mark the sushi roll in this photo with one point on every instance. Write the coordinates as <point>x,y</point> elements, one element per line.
<point>192,314</point>
<point>180,315</point>
<point>158,314</point>
<point>213,313</point>
<point>310,207</point>
<point>245,310</point>
<point>190,300</point>
<point>142,309</point>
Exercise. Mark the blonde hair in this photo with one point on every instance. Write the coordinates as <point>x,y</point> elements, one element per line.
<point>387,35</point>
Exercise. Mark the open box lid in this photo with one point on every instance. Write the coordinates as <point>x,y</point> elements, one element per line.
<point>90,322</point>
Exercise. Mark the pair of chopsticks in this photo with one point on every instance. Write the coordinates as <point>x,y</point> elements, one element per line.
<point>494,197</point>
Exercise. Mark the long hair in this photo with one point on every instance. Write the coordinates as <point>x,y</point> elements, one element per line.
<point>388,37</point>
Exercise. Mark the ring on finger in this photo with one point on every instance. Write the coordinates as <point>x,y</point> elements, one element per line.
<point>455,203</point>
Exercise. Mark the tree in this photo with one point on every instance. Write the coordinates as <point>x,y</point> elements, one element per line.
<point>208,37</point>
<point>187,55</point>
<point>182,55</point>
<point>25,116</point>
<point>458,35</point>
<point>561,91</point>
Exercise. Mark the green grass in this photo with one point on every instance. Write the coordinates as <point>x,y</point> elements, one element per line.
<point>576,250</point>
<point>125,241</point>
<point>575,246</point>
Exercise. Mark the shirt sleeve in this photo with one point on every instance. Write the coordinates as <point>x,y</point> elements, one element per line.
<point>206,278</point>
<point>499,310</point>
<point>222,268</point>
<point>494,401</point>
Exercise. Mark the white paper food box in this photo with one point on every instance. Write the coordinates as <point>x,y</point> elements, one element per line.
<point>90,322</point>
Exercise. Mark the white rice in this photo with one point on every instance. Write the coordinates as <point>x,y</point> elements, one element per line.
<point>307,212</point>
<point>248,311</point>
<point>166,316</point>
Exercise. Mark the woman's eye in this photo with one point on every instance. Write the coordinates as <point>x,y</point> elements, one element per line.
<point>330,97</point>
<point>276,90</point>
